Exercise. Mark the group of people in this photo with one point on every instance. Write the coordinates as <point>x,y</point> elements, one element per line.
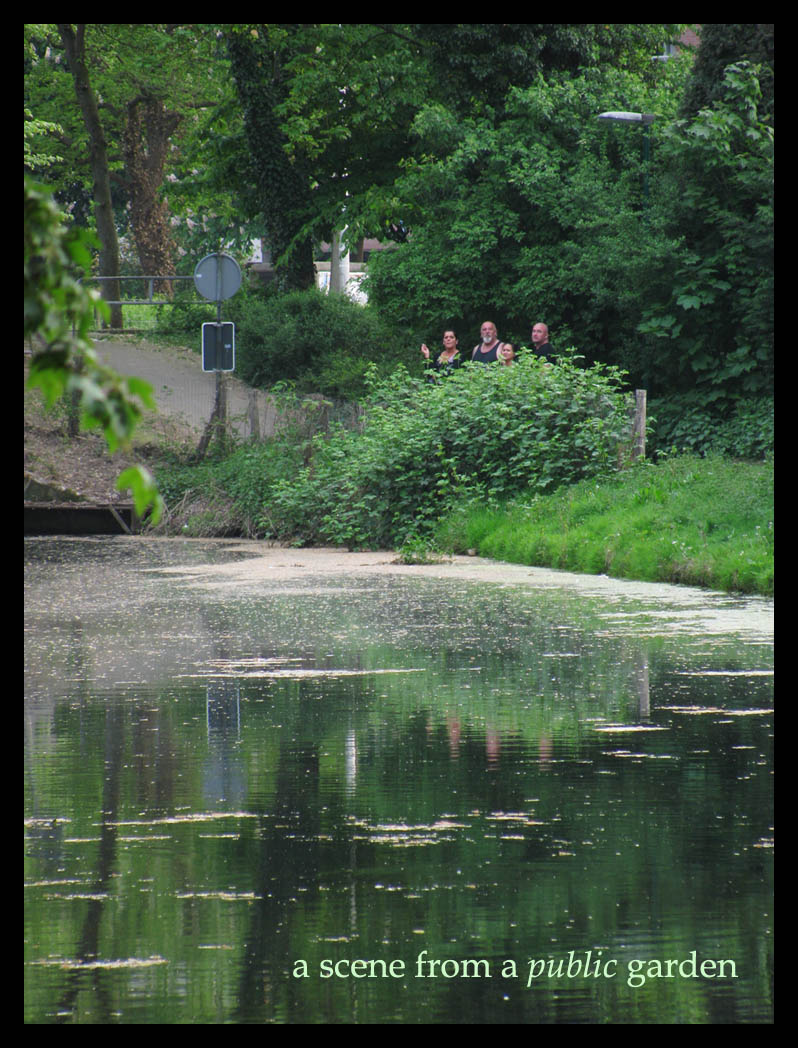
<point>490,349</point>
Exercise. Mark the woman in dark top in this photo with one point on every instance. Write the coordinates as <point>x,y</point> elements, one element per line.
<point>447,360</point>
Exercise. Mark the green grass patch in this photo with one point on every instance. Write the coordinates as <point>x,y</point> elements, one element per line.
<point>698,521</point>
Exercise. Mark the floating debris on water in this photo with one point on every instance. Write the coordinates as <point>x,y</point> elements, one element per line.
<point>70,965</point>
<point>715,709</point>
<point>619,729</point>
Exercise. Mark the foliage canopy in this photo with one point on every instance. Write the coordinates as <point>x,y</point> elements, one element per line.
<point>475,151</point>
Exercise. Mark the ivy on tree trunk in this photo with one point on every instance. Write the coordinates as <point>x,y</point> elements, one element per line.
<point>283,186</point>
<point>148,129</point>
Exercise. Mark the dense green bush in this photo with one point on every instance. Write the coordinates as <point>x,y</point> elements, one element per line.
<point>489,432</point>
<point>711,317</point>
<point>323,343</point>
<point>744,430</point>
<point>184,315</point>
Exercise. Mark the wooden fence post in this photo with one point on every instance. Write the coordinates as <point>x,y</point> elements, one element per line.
<point>217,423</point>
<point>253,415</point>
<point>639,426</point>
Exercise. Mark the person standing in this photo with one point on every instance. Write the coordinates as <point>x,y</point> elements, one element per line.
<point>541,346</point>
<point>489,349</point>
<point>448,359</point>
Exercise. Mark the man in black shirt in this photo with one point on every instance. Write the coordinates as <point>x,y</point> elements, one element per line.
<point>490,348</point>
<point>540,343</point>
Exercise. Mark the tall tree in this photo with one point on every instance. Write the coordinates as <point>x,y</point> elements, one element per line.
<point>170,73</point>
<point>257,54</point>
<point>721,45</point>
<point>712,314</point>
<point>74,41</point>
<point>152,82</point>
<point>475,64</point>
<point>148,131</point>
<point>361,101</point>
<point>352,94</point>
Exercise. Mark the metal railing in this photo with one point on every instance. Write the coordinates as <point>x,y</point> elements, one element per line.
<point>151,281</point>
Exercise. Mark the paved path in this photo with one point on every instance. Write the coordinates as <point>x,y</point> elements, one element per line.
<point>182,389</point>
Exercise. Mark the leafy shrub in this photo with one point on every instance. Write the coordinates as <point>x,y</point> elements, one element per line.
<point>488,432</point>
<point>323,343</point>
<point>230,494</point>
<point>744,430</point>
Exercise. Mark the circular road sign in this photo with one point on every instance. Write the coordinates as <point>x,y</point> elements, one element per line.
<point>217,277</point>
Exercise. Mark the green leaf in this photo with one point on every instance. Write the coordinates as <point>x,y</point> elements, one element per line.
<point>145,491</point>
<point>143,390</point>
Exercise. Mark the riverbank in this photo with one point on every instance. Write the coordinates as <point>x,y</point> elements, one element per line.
<point>688,520</point>
<point>701,522</point>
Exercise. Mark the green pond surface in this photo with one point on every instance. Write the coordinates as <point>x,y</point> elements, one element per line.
<point>265,786</point>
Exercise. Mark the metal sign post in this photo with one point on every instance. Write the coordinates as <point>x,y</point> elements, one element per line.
<point>217,277</point>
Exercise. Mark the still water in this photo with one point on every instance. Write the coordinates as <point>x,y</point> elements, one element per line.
<point>285,786</point>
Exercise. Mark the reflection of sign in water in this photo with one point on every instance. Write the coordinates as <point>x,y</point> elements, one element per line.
<point>217,277</point>
<point>223,708</point>
<point>223,770</point>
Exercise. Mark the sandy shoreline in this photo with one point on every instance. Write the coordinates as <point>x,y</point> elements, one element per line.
<point>675,608</point>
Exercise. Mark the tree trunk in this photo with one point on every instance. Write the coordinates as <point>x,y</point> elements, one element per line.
<point>75,48</point>
<point>146,146</point>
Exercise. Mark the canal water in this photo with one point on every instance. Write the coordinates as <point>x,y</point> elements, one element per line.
<point>287,786</point>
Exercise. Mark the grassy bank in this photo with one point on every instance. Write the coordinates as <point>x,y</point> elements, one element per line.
<point>705,522</point>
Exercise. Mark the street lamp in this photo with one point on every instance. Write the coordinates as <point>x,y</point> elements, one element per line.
<point>629,118</point>
<point>646,119</point>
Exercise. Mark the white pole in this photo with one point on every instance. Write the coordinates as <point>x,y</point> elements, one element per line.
<point>339,265</point>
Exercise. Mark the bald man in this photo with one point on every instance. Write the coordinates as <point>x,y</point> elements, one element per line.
<point>490,348</point>
<point>540,343</point>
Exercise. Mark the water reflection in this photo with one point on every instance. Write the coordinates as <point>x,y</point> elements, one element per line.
<point>232,775</point>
